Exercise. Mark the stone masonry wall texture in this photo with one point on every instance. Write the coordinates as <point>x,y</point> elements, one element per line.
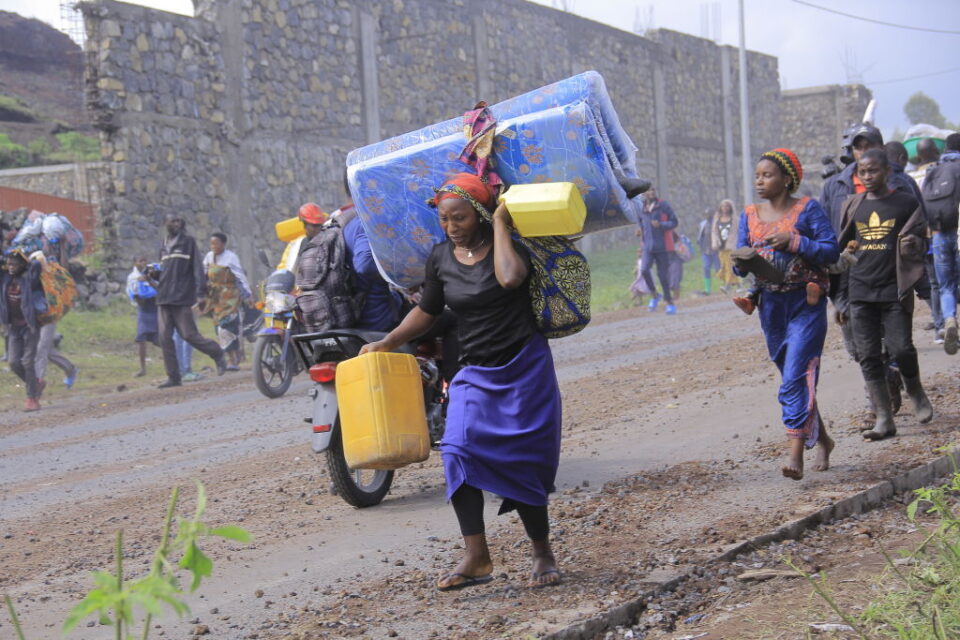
<point>237,116</point>
<point>814,118</point>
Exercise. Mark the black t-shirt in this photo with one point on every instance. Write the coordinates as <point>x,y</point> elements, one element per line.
<point>878,224</point>
<point>493,323</point>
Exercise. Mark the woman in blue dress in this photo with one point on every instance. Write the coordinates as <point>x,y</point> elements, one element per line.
<point>794,236</point>
<point>503,421</point>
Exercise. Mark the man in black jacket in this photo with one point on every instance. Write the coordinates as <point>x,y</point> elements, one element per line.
<point>182,283</point>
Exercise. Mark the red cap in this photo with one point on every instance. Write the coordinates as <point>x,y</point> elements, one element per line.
<point>312,214</point>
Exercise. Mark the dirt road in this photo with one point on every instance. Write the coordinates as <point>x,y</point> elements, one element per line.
<point>671,445</point>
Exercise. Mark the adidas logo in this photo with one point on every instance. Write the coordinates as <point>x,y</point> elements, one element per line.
<point>875,229</point>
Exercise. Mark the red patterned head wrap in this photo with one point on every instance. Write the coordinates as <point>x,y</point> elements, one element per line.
<point>789,164</point>
<point>472,185</point>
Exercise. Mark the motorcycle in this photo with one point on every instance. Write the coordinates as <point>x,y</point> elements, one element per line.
<point>320,353</point>
<point>274,361</point>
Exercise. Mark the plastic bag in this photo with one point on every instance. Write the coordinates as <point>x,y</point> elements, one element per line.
<point>56,228</point>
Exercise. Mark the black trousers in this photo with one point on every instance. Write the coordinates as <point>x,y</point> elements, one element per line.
<point>22,344</point>
<point>875,324</point>
<point>662,260</point>
<point>468,505</point>
<point>180,317</point>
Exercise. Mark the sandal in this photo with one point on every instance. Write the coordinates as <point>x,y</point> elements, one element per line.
<point>468,581</point>
<point>540,585</point>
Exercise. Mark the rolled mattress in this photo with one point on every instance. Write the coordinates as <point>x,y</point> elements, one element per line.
<point>567,131</point>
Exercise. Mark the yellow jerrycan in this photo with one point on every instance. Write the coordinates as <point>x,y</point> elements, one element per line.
<point>546,208</point>
<point>289,229</point>
<point>383,422</point>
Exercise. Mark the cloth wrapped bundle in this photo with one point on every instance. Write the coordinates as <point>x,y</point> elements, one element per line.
<point>567,131</point>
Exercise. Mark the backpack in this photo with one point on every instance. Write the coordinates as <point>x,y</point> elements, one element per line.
<point>59,291</point>
<point>941,194</point>
<point>559,285</point>
<point>328,297</point>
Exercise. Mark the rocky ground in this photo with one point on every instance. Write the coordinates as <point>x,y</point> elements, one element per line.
<point>670,455</point>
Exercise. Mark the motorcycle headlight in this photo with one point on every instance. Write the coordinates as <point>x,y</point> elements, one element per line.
<point>278,302</point>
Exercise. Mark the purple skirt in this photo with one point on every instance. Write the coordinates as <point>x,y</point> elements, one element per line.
<point>503,427</point>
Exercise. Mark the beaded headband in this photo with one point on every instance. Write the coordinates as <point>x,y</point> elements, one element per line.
<point>788,162</point>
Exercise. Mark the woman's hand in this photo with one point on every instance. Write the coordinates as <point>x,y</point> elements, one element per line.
<point>779,241</point>
<point>371,347</point>
<point>501,213</point>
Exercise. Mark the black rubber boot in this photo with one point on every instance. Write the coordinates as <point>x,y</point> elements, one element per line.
<point>894,385</point>
<point>749,261</point>
<point>921,404</point>
<point>884,426</point>
<point>870,411</point>
<point>633,186</point>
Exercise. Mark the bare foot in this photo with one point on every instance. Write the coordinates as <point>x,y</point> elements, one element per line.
<point>824,448</point>
<point>794,467</point>
<point>813,293</point>
<point>744,304</point>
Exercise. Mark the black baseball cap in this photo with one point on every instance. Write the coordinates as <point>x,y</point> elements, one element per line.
<point>869,132</point>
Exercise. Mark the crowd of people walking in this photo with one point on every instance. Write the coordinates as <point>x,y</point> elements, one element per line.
<point>876,239</point>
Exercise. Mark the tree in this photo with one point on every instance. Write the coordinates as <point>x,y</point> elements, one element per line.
<point>922,108</point>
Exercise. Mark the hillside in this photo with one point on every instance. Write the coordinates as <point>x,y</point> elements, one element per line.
<point>41,81</point>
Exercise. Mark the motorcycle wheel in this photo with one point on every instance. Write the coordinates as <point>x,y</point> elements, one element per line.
<point>272,373</point>
<point>360,487</point>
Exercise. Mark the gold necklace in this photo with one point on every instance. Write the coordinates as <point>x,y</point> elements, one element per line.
<point>470,251</point>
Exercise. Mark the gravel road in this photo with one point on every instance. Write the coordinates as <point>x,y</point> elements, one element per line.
<point>671,447</point>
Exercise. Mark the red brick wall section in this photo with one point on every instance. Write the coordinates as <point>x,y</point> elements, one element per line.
<point>80,214</point>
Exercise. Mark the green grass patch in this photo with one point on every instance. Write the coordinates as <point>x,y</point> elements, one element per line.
<point>612,273</point>
<point>13,109</point>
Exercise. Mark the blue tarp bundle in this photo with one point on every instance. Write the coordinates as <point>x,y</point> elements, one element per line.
<point>566,131</point>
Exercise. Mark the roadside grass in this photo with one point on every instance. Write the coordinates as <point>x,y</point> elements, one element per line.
<point>612,273</point>
<point>101,343</point>
<point>920,597</point>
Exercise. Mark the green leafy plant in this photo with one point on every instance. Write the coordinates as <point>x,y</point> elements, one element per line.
<point>160,586</point>
<point>116,601</point>
<point>921,601</point>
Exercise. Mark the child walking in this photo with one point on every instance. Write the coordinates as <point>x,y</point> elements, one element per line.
<point>890,230</point>
<point>793,244</point>
<point>142,293</point>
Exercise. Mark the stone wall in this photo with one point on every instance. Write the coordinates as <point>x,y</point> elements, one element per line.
<point>813,123</point>
<point>72,181</point>
<point>237,116</point>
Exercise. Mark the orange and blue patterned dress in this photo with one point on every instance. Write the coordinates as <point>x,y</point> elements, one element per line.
<point>794,330</point>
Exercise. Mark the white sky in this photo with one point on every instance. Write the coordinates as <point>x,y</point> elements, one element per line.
<point>814,47</point>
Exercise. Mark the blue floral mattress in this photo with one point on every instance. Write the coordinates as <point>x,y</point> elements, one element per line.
<point>567,131</point>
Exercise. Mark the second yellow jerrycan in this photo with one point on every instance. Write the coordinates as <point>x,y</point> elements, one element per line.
<point>289,229</point>
<point>546,208</point>
<point>382,418</point>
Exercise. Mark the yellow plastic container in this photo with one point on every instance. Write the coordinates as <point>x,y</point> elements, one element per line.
<point>290,229</point>
<point>546,209</point>
<point>382,418</point>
